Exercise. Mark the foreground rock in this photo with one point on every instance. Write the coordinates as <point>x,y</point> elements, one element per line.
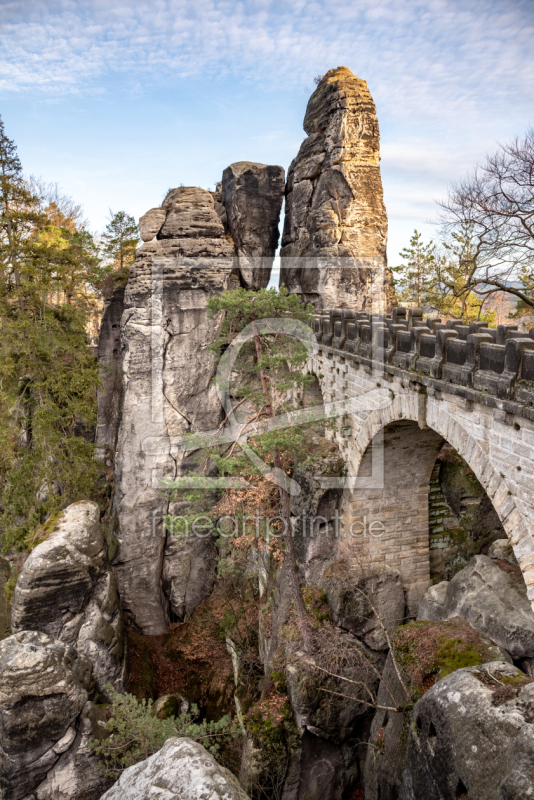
<point>252,196</point>
<point>44,689</point>
<point>426,652</point>
<point>181,770</point>
<point>491,595</point>
<point>472,737</point>
<point>335,219</point>
<point>66,589</point>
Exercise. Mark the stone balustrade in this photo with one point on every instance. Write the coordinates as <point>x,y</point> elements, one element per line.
<point>497,361</point>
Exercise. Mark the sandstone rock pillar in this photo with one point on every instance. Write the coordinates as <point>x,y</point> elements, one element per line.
<point>252,196</point>
<point>335,231</point>
<point>167,372</point>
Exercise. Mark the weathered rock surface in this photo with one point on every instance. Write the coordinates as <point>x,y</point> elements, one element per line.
<point>350,598</point>
<point>109,398</point>
<point>503,550</point>
<point>66,589</point>
<point>472,737</point>
<point>492,598</point>
<point>335,231</point>
<point>44,685</point>
<point>386,752</point>
<point>151,223</point>
<point>76,774</point>
<point>167,393</point>
<point>252,195</point>
<point>181,770</point>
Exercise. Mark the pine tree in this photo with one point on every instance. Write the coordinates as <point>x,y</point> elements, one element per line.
<point>268,376</point>
<point>416,284</point>
<point>120,240</point>
<point>49,374</point>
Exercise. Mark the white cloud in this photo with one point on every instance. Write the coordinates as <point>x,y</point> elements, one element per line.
<point>418,57</point>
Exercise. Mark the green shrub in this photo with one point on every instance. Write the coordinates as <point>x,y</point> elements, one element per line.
<point>134,734</point>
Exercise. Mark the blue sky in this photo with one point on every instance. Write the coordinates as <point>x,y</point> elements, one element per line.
<point>119,101</point>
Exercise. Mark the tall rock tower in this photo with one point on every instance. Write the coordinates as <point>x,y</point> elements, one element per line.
<point>335,231</point>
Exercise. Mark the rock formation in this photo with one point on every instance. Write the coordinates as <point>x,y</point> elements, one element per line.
<point>188,256</point>
<point>472,737</point>
<point>252,196</point>
<point>167,371</point>
<point>181,770</point>
<point>335,230</point>
<point>67,590</point>
<point>109,397</point>
<point>484,593</point>
<point>44,694</point>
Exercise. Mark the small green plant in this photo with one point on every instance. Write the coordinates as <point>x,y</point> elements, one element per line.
<point>135,734</point>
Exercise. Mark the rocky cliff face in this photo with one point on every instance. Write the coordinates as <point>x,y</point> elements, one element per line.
<point>109,360</point>
<point>335,231</point>
<point>46,719</point>
<point>67,589</point>
<point>252,196</point>
<point>167,393</point>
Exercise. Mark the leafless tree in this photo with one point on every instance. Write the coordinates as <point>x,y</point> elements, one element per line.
<point>496,202</point>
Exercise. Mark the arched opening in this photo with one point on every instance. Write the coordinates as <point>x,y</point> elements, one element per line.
<point>426,515</point>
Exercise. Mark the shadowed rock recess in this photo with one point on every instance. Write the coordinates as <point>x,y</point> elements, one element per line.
<point>335,230</point>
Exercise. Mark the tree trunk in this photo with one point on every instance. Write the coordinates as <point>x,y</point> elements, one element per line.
<point>291,564</point>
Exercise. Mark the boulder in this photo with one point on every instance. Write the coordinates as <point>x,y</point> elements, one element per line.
<point>168,392</point>
<point>329,705</point>
<point>502,550</point>
<point>472,737</point>
<point>67,590</point>
<point>151,223</point>
<point>181,770</point>
<point>252,195</point>
<point>44,685</point>
<point>492,597</point>
<point>432,602</point>
<point>335,229</point>
<point>426,652</point>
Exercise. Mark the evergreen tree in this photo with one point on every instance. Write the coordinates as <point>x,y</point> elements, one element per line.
<point>120,240</point>
<point>268,379</point>
<point>49,374</point>
<point>416,284</point>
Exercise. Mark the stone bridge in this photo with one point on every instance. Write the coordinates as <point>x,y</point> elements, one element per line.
<point>407,385</point>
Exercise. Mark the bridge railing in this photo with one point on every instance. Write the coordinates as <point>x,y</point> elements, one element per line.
<point>498,360</point>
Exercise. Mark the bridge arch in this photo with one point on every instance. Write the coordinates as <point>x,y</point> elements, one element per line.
<point>426,420</point>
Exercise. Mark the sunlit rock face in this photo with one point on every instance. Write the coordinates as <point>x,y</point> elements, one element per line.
<point>335,231</point>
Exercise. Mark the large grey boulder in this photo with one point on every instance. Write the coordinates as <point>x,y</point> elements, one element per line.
<point>168,392</point>
<point>386,752</point>
<point>252,195</point>
<point>335,230</point>
<point>67,589</point>
<point>44,685</point>
<point>181,770</point>
<point>472,737</point>
<point>492,599</point>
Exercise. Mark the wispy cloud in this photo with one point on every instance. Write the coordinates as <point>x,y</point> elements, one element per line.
<point>435,56</point>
